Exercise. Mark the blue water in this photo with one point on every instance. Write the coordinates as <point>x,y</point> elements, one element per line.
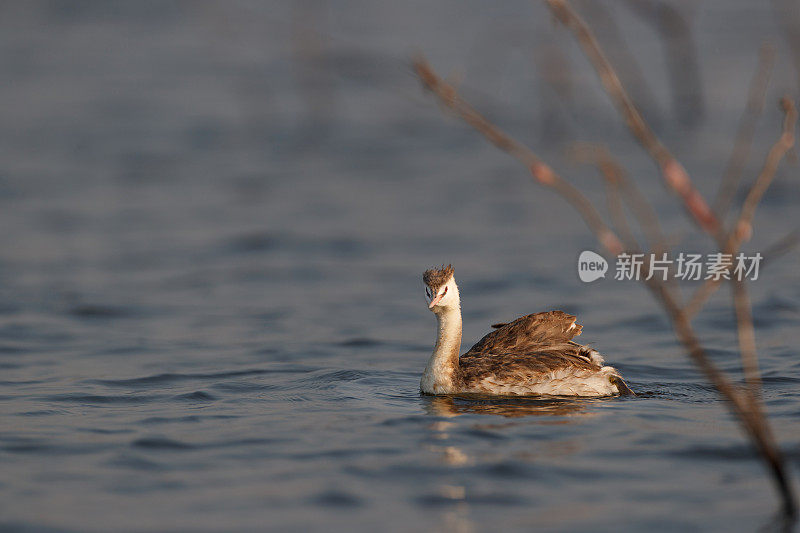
<point>215,220</point>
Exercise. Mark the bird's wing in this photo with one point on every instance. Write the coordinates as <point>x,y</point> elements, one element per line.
<point>529,334</point>
<point>515,368</point>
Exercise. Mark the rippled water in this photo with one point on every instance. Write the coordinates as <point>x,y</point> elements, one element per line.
<point>211,314</point>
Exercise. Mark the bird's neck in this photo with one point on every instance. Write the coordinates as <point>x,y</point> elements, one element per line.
<point>440,374</point>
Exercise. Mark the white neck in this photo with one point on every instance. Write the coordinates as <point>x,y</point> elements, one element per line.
<point>439,375</point>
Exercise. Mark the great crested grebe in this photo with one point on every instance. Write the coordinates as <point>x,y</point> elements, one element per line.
<point>533,355</point>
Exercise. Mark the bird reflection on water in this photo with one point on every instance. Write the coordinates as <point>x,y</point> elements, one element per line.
<point>459,498</point>
<point>451,406</point>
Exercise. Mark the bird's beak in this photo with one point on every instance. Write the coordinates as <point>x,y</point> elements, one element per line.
<point>435,301</point>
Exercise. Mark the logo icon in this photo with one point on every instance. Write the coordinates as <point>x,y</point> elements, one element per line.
<point>591,266</point>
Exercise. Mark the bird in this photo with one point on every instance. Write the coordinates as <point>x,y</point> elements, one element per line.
<point>533,355</point>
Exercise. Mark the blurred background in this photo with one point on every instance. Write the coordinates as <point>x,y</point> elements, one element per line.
<point>215,217</point>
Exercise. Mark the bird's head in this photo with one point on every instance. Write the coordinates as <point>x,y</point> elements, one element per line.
<point>441,291</point>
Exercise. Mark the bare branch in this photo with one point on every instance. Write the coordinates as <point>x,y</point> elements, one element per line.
<point>617,212</point>
<point>613,177</point>
<point>787,15</point>
<point>680,55</point>
<point>743,228</point>
<point>608,32</point>
<point>613,171</point>
<point>541,172</point>
<point>673,173</point>
<point>747,336</point>
<point>614,183</point>
<point>781,246</point>
<point>746,131</point>
<point>742,403</point>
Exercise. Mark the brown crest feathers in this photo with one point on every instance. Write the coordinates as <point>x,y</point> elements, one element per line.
<point>436,277</point>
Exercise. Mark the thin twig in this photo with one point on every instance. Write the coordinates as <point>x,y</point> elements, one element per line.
<point>541,172</point>
<point>741,300</point>
<point>616,180</point>
<point>746,131</point>
<point>680,56</point>
<point>747,336</point>
<point>612,170</point>
<point>787,15</point>
<point>673,173</point>
<point>743,404</point>
<point>616,209</point>
<point>780,247</point>
<point>743,227</point>
<point>613,178</point>
<point>742,231</point>
<point>612,35</point>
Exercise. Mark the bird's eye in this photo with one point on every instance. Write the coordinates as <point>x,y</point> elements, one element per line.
<point>444,291</point>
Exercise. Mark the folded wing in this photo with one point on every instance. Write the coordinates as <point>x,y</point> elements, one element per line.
<point>529,335</point>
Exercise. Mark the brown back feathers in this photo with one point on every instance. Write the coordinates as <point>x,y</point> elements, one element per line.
<point>529,334</point>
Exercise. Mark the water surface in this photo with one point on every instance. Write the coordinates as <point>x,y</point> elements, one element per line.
<point>216,217</point>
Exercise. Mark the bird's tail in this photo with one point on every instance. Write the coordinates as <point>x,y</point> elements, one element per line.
<point>623,388</point>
